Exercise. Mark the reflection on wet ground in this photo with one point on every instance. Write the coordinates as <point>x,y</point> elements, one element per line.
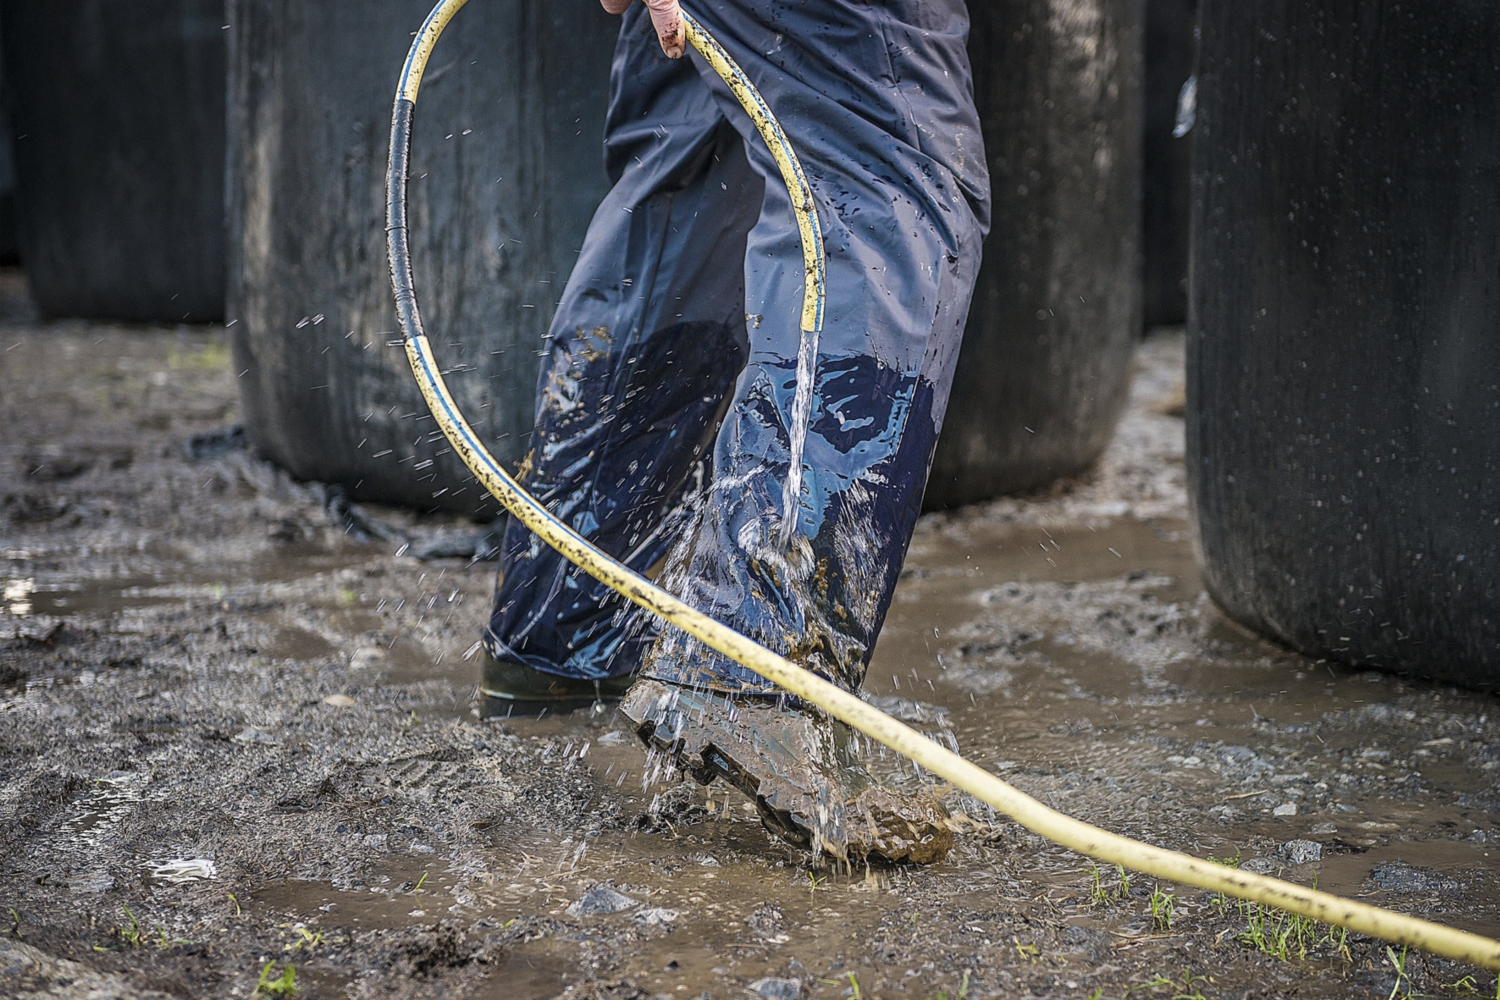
<point>1083,663</point>
<point>1222,744</point>
<point>285,721</point>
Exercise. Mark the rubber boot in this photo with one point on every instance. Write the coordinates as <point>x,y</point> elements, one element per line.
<point>514,689</point>
<point>798,767</point>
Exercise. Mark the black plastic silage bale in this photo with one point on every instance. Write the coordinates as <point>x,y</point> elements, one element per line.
<point>507,169</point>
<point>10,238</point>
<point>1041,379</point>
<point>118,114</point>
<point>1167,159</point>
<point>1343,394</point>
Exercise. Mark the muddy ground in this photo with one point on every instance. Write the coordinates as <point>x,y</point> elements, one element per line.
<point>236,740</point>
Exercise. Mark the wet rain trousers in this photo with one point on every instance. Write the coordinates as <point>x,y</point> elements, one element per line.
<point>665,403</point>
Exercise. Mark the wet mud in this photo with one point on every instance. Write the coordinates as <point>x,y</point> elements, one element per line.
<point>235,739</point>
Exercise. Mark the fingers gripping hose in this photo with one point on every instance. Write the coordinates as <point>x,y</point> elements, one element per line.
<point>1055,826</point>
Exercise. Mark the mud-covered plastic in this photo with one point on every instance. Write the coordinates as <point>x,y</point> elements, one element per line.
<point>1170,51</point>
<point>506,172</point>
<point>1343,379</point>
<point>118,115</point>
<point>1041,380</point>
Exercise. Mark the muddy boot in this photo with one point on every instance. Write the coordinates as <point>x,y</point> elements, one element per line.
<point>798,767</point>
<point>514,689</point>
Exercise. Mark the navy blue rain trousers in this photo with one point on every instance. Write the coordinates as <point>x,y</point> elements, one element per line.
<point>665,404</point>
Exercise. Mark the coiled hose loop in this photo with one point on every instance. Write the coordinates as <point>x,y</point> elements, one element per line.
<point>1055,826</point>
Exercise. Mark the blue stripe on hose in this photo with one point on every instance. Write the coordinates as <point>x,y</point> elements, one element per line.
<point>412,53</point>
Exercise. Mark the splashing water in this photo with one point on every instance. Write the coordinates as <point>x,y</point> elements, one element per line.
<point>791,490</point>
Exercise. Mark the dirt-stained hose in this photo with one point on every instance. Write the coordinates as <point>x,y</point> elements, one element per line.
<point>1036,817</point>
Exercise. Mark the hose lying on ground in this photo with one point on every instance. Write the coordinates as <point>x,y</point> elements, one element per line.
<point>1040,819</point>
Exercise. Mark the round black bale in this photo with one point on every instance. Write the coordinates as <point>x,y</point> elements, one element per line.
<point>118,114</point>
<point>1167,160</point>
<point>507,169</point>
<point>10,237</point>
<point>1343,391</point>
<point>1041,378</point>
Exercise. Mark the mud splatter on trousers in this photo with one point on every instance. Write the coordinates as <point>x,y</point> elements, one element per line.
<point>665,403</point>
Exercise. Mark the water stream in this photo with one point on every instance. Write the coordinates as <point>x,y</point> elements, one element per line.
<point>791,492</point>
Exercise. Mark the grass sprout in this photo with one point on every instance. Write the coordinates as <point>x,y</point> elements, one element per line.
<point>1398,962</point>
<point>962,994</point>
<point>132,935</point>
<point>1163,908</point>
<point>1220,900</point>
<point>1156,982</point>
<point>306,940</point>
<point>1101,894</point>
<point>1286,936</point>
<point>284,985</point>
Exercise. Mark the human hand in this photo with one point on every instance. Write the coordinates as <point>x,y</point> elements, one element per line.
<point>666,15</point>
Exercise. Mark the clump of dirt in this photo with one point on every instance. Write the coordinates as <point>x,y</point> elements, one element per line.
<point>679,805</point>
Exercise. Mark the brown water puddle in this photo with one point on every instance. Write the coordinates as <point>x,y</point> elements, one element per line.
<point>348,624</point>
<point>403,891</point>
<point>1084,664</point>
<point>1059,702</point>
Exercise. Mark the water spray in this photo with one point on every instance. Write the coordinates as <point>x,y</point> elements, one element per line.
<point>1057,827</point>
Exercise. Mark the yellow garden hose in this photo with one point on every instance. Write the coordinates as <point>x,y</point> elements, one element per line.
<point>1040,819</point>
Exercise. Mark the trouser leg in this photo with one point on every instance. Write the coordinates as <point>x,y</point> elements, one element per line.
<point>647,341</point>
<point>877,102</point>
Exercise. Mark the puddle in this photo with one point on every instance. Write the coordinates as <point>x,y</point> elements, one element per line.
<point>101,810</point>
<point>1194,712</point>
<point>101,598</point>
<point>539,968</point>
<point>299,644</point>
<point>403,892</point>
<point>246,699</point>
<point>26,596</point>
<point>1082,664</point>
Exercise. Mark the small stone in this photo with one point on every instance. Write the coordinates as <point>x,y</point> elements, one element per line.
<point>1258,866</point>
<point>777,989</point>
<point>339,701</point>
<point>1398,876</point>
<point>656,916</point>
<point>1322,829</point>
<point>376,841</point>
<point>1302,852</point>
<point>601,900</point>
<point>366,657</point>
<point>252,735</point>
<point>1285,809</point>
